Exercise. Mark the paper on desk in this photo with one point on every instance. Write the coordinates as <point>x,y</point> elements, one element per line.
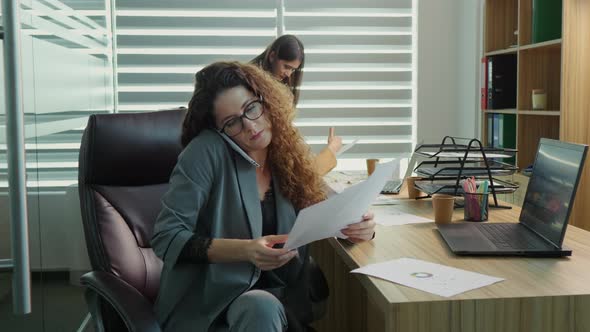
<point>327,218</point>
<point>340,180</point>
<point>347,147</point>
<point>392,216</point>
<point>337,187</point>
<point>380,200</point>
<point>385,200</point>
<point>432,278</point>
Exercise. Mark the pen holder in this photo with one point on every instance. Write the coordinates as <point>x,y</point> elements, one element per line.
<point>476,206</point>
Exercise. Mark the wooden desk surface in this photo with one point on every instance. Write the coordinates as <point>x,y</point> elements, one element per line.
<point>525,277</point>
<point>539,294</point>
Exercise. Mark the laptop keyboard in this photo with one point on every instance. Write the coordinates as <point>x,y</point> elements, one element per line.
<point>391,187</point>
<point>506,236</point>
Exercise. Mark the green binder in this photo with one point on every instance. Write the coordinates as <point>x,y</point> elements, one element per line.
<point>502,133</point>
<point>546,20</point>
<point>508,123</point>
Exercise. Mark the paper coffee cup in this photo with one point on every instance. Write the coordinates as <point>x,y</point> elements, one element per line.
<point>443,206</point>
<point>412,191</point>
<point>371,164</point>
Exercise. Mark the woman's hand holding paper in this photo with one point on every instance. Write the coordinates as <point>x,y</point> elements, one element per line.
<point>361,231</point>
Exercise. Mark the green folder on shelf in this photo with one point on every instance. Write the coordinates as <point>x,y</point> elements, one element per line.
<point>546,20</point>
<point>502,132</point>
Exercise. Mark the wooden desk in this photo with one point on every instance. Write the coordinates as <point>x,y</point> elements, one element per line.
<point>539,294</point>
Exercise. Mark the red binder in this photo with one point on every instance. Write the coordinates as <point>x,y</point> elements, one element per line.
<point>484,88</point>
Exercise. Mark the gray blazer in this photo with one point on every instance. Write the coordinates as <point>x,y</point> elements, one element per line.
<point>213,193</point>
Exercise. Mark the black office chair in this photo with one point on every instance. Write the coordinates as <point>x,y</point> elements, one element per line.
<point>125,164</point>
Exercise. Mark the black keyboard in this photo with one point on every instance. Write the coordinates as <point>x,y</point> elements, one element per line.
<point>392,187</point>
<point>506,236</point>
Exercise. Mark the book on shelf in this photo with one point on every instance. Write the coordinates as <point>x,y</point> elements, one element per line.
<point>501,81</point>
<point>546,17</point>
<point>484,88</point>
<point>502,132</point>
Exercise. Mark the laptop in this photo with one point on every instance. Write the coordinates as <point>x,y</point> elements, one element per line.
<point>545,211</point>
<point>395,185</point>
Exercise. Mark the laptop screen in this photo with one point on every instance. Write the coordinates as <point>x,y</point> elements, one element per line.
<point>552,187</point>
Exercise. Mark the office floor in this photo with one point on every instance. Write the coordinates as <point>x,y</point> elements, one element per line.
<point>57,306</point>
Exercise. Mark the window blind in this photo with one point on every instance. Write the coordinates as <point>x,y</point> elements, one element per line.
<point>357,78</point>
<point>161,45</point>
<point>358,74</point>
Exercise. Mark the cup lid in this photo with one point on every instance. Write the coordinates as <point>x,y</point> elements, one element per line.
<point>443,196</point>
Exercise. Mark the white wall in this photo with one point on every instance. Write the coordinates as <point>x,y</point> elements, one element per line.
<point>448,69</point>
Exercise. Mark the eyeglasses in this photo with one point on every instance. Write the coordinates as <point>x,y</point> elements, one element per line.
<point>252,111</point>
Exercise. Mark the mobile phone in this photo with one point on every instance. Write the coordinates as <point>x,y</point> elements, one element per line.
<point>238,149</point>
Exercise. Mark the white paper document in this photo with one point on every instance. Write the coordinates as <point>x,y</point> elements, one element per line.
<point>392,216</point>
<point>325,219</point>
<point>347,147</point>
<point>430,277</point>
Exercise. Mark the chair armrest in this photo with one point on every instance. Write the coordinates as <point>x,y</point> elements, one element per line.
<point>130,304</point>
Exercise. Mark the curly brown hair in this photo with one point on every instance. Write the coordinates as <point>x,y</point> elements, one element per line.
<point>290,157</point>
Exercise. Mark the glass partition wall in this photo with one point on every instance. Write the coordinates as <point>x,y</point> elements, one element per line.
<point>66,75</point>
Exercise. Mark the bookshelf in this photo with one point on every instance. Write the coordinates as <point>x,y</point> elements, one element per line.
<point>575,99</point>
<point>512,28</point>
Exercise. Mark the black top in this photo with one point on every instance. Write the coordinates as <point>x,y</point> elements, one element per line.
<point>269,213</point>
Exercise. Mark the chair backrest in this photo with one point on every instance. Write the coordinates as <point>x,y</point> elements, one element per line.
<point>124,167</point>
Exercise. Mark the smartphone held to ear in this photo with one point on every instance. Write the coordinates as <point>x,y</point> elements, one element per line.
<point>238,149</point>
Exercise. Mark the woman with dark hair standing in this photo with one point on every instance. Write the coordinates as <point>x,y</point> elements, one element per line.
<point>222,216</point>
<point>285,59</point>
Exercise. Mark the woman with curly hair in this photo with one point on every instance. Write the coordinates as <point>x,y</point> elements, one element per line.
<point>222,217</point>
<point>285,59</point>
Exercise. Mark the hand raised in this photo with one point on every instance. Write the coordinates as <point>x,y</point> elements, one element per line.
<point>334,142</point>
